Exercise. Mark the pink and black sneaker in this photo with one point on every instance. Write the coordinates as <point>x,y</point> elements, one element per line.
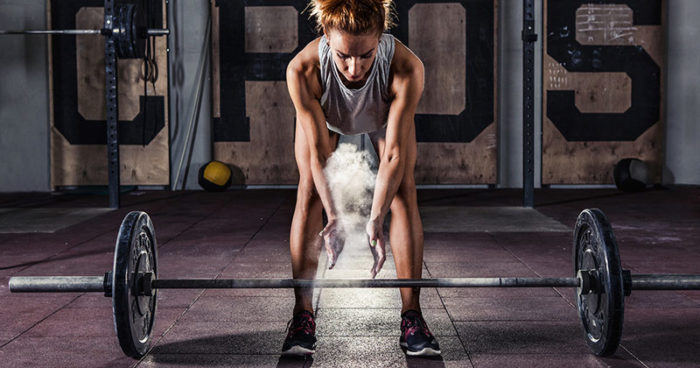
<point>416,338</point>
<point>301,335</point>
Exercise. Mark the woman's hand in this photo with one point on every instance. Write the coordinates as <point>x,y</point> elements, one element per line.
<point>375,237</point>
<point>334,239</point>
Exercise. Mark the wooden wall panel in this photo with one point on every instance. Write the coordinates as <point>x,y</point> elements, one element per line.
<point>253,114</point>
<point>269,156</point>
<point>610,57</point>
<point>438,36</point>
<point>78,154</point>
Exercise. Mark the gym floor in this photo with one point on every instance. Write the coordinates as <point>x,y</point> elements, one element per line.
<point>244,234</point>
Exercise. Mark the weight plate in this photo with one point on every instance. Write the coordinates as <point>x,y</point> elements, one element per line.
<point>602,310</point>
<point>135,253</point>
<point>121,29</point>
<point>130,32</point>
<point>138,31</point>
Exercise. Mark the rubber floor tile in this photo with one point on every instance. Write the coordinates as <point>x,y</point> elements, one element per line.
<point>378,351</point>
<point>663,337</point>
<point>552,360</point>
<point>497,292</point>
<point>511,268</point>
<point>19,313</point>
<point>240,309</point>
<point>255,255</point>
<point>189,337</point>
<point>510,309</point>
<point>222,361</point>
<point>486,254</point>
<point>76,263</point>
<point>76,322</point>
<point>376,322</point>
<point>657,299</point>
<point>284,293</point>
<point>177,298</point>
<point>520,337</point>
<point>60,352</point>
<point>256,270</point>
<point>373,298</point>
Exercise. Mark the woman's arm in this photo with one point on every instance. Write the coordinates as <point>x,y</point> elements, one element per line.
<point>407,87</point>
<point>313,123</point>
<point>310,115</point>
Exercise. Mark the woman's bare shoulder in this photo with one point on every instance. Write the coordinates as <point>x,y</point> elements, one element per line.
<point>304,69</point>
<point>307,60</point>
<point>407,72</point>
<point>405,62</point>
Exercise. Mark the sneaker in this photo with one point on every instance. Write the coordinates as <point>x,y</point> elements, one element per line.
<point>416,338</point>
<point>301,335</point>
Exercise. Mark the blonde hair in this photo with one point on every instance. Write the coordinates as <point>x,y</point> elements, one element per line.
<point>352,16</point>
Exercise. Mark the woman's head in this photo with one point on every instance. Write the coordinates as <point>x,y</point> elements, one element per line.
<point>356,17</point>
<point>353,28</point>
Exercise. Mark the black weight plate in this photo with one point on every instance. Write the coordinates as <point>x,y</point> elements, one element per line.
<point>138,31</point>
<point>122,28</point>
<point>132,30</point>
<point>134,314</point>
<point>602,310</point>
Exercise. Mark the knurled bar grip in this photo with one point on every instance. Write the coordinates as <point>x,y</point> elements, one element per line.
<point>364,283</point>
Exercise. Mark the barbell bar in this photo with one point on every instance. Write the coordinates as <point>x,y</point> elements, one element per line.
<point>127,27</point>
<point>601,283</point>
<point>101,31</point>
<point>30,284</point>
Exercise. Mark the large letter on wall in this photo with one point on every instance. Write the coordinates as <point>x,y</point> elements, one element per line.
<point>602,85</point>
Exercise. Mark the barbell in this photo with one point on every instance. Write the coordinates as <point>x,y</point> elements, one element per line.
<point>128,28</point>
<point>601,283</point>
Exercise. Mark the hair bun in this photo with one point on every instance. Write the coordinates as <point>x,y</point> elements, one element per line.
<point>352,16</point>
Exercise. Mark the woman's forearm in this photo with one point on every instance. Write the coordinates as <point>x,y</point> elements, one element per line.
<point>389,178</point>
<point>318,162</point>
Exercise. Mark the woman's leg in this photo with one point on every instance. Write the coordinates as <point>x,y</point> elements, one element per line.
<point>406,228</point>
<point>304,242</point>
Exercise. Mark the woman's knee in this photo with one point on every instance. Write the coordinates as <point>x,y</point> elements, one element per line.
<point>405,197</point>
<point>307,195</point>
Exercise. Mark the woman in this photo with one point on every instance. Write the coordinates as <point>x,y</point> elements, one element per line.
<point>356,79</point>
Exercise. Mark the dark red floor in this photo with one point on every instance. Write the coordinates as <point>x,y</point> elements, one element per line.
<point>245,234</point>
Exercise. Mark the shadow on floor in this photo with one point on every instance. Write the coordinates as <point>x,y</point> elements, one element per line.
<point>54,258</point>
<point>424,362</point>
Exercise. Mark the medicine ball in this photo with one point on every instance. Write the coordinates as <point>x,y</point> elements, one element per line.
<point>631,175</point>
<point>215,176</point>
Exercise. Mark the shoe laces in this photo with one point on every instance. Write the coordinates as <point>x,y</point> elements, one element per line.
<point>411,324</point>
<point>301,323</point>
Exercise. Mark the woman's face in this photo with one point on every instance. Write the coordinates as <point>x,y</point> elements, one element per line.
<point>353,54</point>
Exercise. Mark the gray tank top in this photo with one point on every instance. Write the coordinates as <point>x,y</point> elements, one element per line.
<point>362,110</point>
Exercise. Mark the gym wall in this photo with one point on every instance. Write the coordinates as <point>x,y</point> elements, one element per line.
<point>254,118</point>
<point>24,94</point>
<point>24,99</point>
